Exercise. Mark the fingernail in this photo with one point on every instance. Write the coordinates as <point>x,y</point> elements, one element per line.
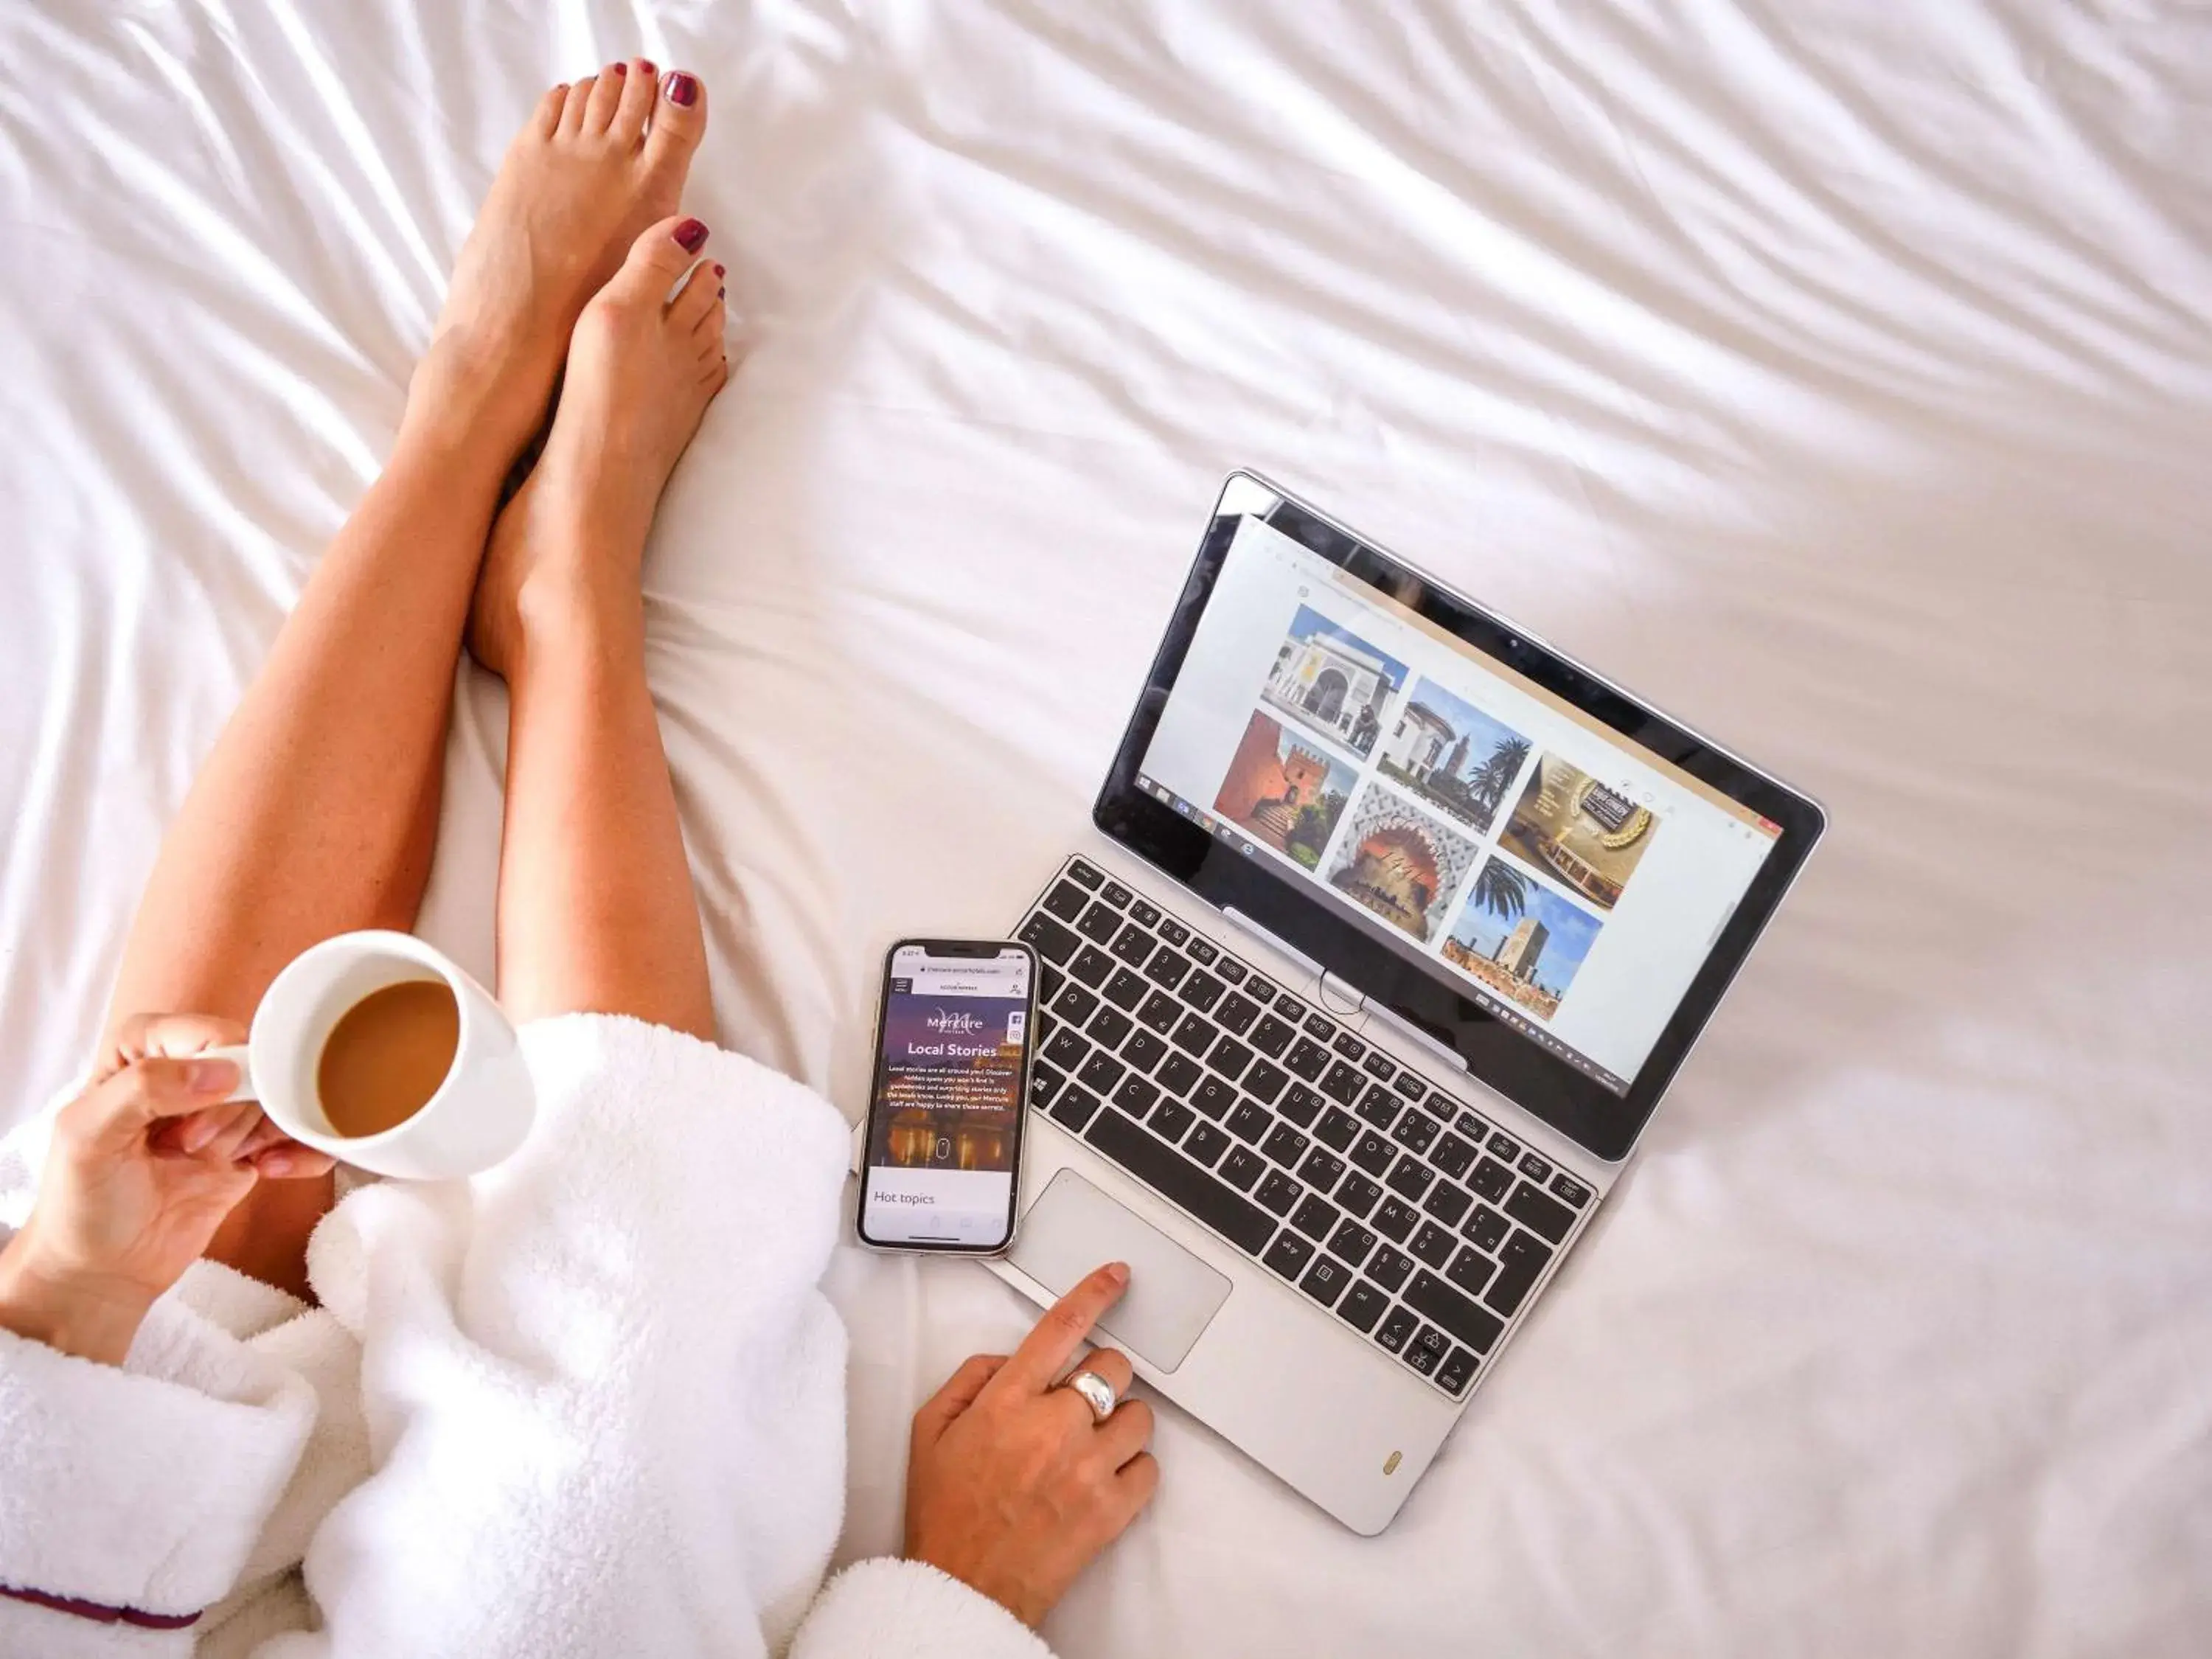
<point>691,235</point>
<point>276,1164</point>
<point>683,90</point>
<point>211,1077</point>
<point>1118,1271</point>
<point>621,69</point>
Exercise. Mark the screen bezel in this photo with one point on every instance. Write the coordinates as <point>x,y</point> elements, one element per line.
<point>950,950</point>
<point>1578,1106</point>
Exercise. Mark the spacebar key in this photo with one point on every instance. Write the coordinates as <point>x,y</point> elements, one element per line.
<point>1167,1172</point>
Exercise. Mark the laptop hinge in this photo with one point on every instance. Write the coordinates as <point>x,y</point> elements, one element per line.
<point>1414,1034</point>
<point>1274,944</point>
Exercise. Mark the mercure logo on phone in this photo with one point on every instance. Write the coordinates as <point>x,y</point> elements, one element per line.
<point>961,1024</point>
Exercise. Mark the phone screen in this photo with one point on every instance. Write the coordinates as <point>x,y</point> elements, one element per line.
<point>945,1126</point>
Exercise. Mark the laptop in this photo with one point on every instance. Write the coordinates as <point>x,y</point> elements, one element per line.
<point>1397,924</point>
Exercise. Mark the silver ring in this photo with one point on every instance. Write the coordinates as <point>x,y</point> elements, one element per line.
<point>1097,1392</point>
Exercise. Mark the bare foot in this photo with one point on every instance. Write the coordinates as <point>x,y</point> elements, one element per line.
<point>597,162</point>
<point>642,367</point>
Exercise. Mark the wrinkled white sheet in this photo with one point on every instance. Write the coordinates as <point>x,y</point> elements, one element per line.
<point>1839,375</point>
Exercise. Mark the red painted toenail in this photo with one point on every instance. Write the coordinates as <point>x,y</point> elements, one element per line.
<point>683,90</point>
<point>645,63</point>
<point>621,69</point>
<point>719,271</point>
<point>722,293</point>
<point>691,235</point>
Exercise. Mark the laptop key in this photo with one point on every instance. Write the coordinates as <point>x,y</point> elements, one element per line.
<point>1435,1300</point>
<point>1173,932</point>
<point>1179,1181</point>
<point>1238,1011</point>
<point>1352,1241</point>
<point>1320,1026</point>
<point>1075,1107</point>
<point>1373,1153</point>
<point>1135,1096</point>
<point>1389,1267</point>
<point>1074,1003</point>
<point>1338,1128</point>
<point>1427,1350</point>
<point>1322,1169</point>
<point>1487,1228</point>
<point>1379,1106</point>
<point>1349,1046</point>
<point>1270,1036</point>
<point>1117,894</point>
<point>1066,901</point>
<point>1229,969</point>
<point>1456,1372</point>
<point>1447,1203</point>
<point>1433,1244</point>
<point>1397,1330</point>
<point>1109,1026</point>
<point>1242,1168</point>
<point>1067,1049</point>
<point>1250,1122</point>
<point>1125,990</point>
<point>1193,1036</point>
<point>1540,1213</point>
<point>1470,1270</point>
<point>1178,1072</point>
<point>1088,875</point>
<point>1308,1059</point>
<point>1167,967</point>
<point>1505,1146</point>
<point>1534,1168</point>
<point>1053,942</point>
<point>1050,979</point>
<point>1521,1263</point>
<point>1092,965</point>
<point>1133,945</point>
<point>1325,1280</point>
<point>1415,1129</point>
<point>1203,951</point>
<point>1290,1008</point>
<point>1143,1050</point>
<point>1288,1253</point>
<point>1101,1074</point>
<point>1099,924</point>
<point>1212,1097</point>
<point>1284,1145</point>
<point>1258,990</point>
<point>1315,1218</point>
<point>1394,1219</point>
<point>1265,1081</point>
<point>1201,990</point>
<point>1454,1157</point>
<point>1160,1012</point>
<point>1044,1084</point>
<point>1409,1177</point>
<point>1147,913</point>
<point>1358,1193</point>
<point>1171,1118</point>
<point>1410,1086</point>
<point>1343,1084</point>
<point>1571,1189</point>
<point>1206,1143</point>
<point>1230,1058</point>
<point>1278,1192</point>
<point>1301,1105</point>
<point>1362,1306</point>
<point>1491,1179</point>
<point>1379,1067</point>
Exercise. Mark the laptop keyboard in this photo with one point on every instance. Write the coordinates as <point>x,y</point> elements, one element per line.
<point>1362,1182</point>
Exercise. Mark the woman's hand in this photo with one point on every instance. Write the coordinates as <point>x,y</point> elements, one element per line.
<point>1013,1486</point>
<point>144,1167</point>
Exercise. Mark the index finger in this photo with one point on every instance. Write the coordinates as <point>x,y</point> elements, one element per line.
<point>1044,1354</point>
<point>144,1036</point>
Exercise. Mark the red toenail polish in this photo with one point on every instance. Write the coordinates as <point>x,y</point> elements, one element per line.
<point>722,293</point>
<point>691,235</point>
<point>645,63</point>
<point>621,69</point>
<point>719,271</point>
<point>683,90</point>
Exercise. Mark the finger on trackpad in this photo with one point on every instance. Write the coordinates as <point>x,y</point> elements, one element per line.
<point>1172,1294</point>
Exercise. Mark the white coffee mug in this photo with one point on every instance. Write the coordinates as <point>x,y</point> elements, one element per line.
<point>480,1112</point>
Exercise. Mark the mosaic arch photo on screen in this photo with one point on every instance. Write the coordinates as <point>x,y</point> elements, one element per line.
<point>1399,862</point>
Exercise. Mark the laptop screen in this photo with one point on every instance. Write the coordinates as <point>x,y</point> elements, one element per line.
<point>1552,857</point>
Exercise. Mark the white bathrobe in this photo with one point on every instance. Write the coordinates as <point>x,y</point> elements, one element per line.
<point>590,1403</point>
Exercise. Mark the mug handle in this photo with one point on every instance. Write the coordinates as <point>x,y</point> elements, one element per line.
<point>238,1053</point>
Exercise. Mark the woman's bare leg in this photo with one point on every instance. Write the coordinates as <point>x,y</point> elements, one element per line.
<point>317,810</point>
<point>597,911</point>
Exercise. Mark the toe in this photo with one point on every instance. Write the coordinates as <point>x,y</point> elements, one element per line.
<point>606,98</point>
<point>678,119</point>
<point>659,258</point>
<point>701,296</point>
<point>638,92</point>
<point>580,99</point>
<point>548,117</point>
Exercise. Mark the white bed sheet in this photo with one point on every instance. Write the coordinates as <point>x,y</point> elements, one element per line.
<point>1839,375</point>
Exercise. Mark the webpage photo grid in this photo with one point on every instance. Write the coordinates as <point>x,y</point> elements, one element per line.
<point>1569,882</point>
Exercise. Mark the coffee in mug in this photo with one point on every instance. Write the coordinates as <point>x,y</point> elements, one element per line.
<point>387,1055</point>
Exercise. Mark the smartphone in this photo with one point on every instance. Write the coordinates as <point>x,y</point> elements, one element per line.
<point>943,1162</point>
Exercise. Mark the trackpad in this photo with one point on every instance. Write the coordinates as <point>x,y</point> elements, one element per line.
<point>1172,1294</point>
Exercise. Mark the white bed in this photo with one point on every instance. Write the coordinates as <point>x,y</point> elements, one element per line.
<point>1839,374</point>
